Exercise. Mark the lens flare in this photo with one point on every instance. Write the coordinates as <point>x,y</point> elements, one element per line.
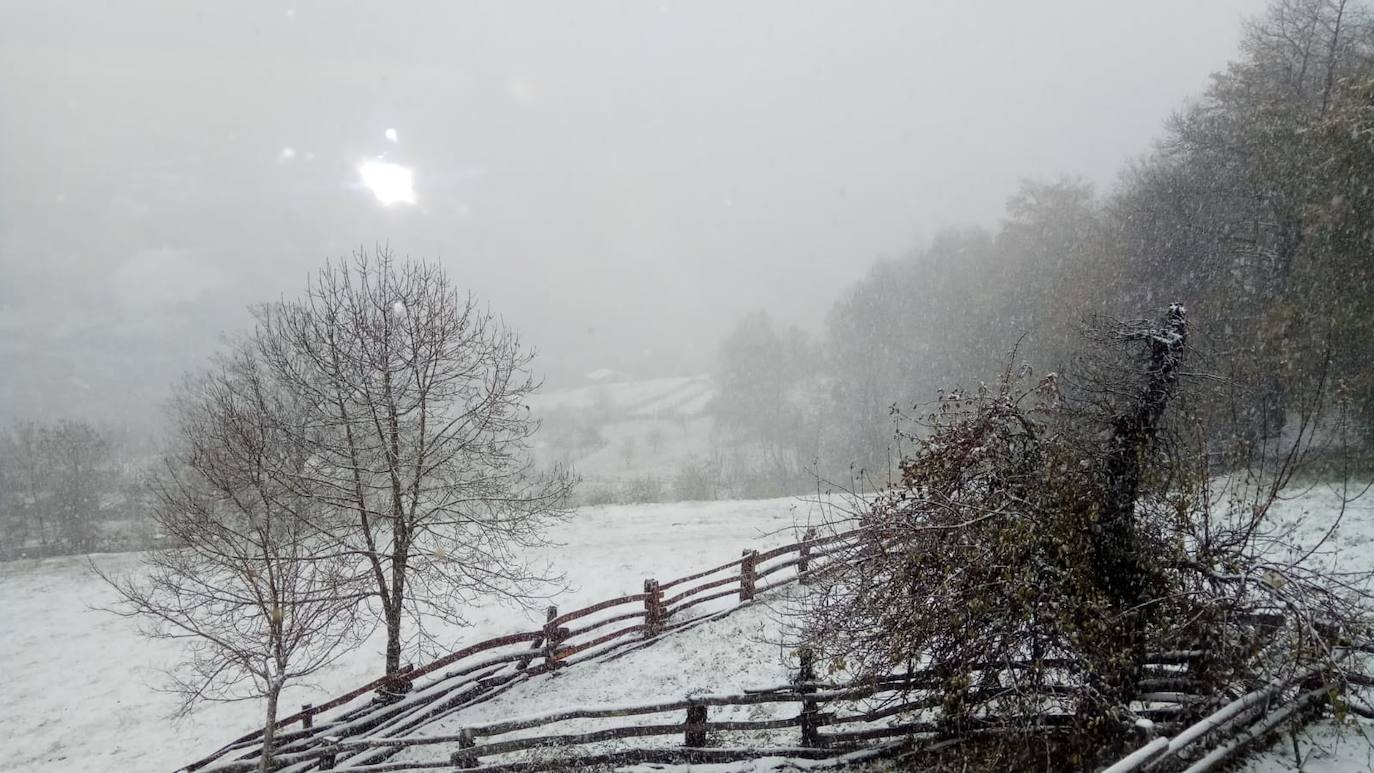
<point>390,183</point>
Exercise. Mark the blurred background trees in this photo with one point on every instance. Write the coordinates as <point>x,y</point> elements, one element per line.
<point>1255,207</point>
<point>70,486</point>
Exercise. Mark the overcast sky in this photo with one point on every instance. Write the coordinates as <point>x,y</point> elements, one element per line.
<point>621,180</point>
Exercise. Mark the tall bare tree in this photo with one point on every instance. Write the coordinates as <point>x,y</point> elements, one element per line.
<point>260,595</point>
<point>420,429</point>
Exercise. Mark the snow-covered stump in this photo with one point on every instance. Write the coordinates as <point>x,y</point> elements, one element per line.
<point>748,575</point>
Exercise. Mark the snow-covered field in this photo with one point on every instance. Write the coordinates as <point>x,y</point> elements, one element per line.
<point>92,707</point>
<point>1323,747</point>
<point>615,431</point>
<point>80,683</point>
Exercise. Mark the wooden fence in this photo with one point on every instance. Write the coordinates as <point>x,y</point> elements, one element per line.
<point>904,707</point>
<point>393,706</point>
<point>1220,736</point>
<point>364,729</point>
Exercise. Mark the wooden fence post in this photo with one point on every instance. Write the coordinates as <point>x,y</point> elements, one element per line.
<point>537,645</point>
<point>329,754</point>
<point>804,560</point>
<point>464,758</point>
<point>653,608</point>
<point>695,729</point>
<point>309,719</point>
<point>553,636</point>
<point>811,709</point>
<point>747,574</point>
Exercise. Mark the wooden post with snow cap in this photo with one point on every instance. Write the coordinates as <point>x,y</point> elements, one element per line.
<point>464,758</point>
<point>653,608</point>
<point>748,574</point>
<point>329,754</point>
<point>308,716</point>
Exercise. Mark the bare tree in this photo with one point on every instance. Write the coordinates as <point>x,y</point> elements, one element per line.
<point>421,430</point>
<point>259,594</point>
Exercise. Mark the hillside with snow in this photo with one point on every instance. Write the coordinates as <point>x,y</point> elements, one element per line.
<point>58,716</point>
<point>96,705</point>
<point>616,431</point>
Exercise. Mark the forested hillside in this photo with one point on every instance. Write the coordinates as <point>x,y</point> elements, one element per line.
<point>1254,207</point>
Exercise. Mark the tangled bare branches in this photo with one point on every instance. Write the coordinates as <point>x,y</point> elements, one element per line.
<point>1046,535</point>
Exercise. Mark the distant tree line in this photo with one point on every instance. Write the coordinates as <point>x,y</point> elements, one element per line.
<point>68,486</point>
<point>1255,207</point>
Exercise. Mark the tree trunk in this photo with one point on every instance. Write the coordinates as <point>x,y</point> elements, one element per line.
<point>269,729</point>
<point>393,641</point>
<point>395,605</point>
<point>1122,574</point>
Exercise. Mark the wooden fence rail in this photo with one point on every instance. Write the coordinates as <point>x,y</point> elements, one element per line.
<point>478,672</point>
<point>912,699</point>
<point>365,735</point>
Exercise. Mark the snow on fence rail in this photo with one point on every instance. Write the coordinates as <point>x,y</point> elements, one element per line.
<point>1235,725</point>
<point>349,733</point>
<point>913,699</point>
<point>402,702</point>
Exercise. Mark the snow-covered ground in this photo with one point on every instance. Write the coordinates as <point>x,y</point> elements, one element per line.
<point>80,683</point>
<point>1322,746</point>
<point>616,431</point>
<point>92,708</point>
<point>743,650</point>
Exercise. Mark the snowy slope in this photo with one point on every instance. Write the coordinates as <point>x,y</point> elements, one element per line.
<point>612,432</point>
<point>738,651</point>
<point>93,709</point>
<point>684,395</point>
<point>78,680</point>
<point>1324,747</point>
<point>746,649</point>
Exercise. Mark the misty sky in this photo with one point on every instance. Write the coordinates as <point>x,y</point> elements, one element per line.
<point>621,180</point>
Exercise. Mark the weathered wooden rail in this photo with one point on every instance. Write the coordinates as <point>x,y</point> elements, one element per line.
<point>366,728</point>
<point>394,705</point>
<point>1218,737</point>
<point>904,706</point>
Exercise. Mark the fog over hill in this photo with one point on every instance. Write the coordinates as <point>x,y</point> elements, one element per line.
<point>621,181</point>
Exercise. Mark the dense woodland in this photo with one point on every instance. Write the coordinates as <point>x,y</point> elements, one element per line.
<point>1254,208</point>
